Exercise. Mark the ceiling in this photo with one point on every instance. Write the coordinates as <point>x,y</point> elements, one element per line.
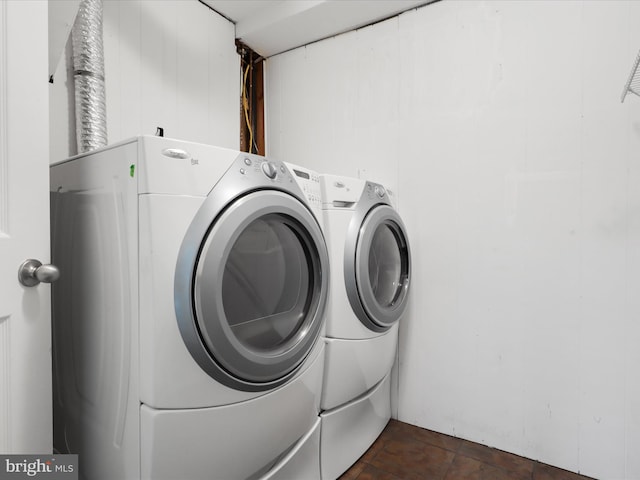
<point>270,27</point>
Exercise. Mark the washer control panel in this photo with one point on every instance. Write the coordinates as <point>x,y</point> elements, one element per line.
<point>375,192</point>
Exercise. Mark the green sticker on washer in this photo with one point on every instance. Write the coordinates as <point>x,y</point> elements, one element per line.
<point>132,170</point>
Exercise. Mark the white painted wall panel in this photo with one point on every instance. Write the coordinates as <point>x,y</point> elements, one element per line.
<point>169,64</point>
<point>338,121</point>
<point>517,172</point>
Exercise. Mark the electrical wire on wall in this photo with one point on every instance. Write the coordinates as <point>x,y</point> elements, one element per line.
<point>252,100</point>
<point>247,109</point>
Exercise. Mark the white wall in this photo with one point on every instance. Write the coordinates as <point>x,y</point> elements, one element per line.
<point>169,63</point>
<point>517,169</point>
<point>335,105</point>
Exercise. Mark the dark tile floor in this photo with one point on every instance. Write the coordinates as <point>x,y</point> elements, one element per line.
<point>406,452</point>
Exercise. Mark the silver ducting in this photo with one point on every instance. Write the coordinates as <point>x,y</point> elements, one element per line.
<point>88,66</point>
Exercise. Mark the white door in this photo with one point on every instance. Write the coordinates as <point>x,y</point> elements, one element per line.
<point>25,333</point>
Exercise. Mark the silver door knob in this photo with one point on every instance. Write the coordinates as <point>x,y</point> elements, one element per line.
<point>32,272</point>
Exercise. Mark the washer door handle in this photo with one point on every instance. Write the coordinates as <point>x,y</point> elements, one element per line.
<point>32,272</point>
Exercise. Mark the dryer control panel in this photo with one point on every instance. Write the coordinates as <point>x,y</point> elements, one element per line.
<point>262,171</point>
<point>309,182</point>
<point>258,170</point>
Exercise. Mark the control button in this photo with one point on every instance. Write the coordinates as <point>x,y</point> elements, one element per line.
<point>282,170</point>
<point>247,162</point>
<point>380,191</point>
<point>243,171</point>
<point>269,170</point>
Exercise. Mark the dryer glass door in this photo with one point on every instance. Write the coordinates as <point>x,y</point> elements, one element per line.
<point>250,303</point>
<point>267,284</point>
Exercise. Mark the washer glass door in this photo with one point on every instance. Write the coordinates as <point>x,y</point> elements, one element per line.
<point>377,268</point>
<point>386,275</point>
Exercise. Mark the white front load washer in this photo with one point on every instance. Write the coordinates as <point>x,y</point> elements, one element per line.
<point>370,262</point>
<point>188,317</point>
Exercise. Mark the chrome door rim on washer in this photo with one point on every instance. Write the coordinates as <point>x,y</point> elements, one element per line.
<point>373,212</point>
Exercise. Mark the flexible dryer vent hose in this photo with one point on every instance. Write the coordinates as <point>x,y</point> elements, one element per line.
<point>88,66</point>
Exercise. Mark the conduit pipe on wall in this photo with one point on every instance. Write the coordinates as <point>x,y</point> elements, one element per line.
<point>88,67</point>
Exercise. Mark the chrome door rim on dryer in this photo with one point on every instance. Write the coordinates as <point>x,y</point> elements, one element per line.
<point>374,223</point>
<point>217,342</point>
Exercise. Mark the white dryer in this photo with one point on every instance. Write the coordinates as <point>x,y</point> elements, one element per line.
<point>188,317</point>
<point>370,262</point>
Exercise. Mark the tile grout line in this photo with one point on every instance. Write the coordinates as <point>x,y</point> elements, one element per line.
<point>452,461</point>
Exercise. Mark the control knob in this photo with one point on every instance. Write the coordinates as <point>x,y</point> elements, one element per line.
<point>269,169</point>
